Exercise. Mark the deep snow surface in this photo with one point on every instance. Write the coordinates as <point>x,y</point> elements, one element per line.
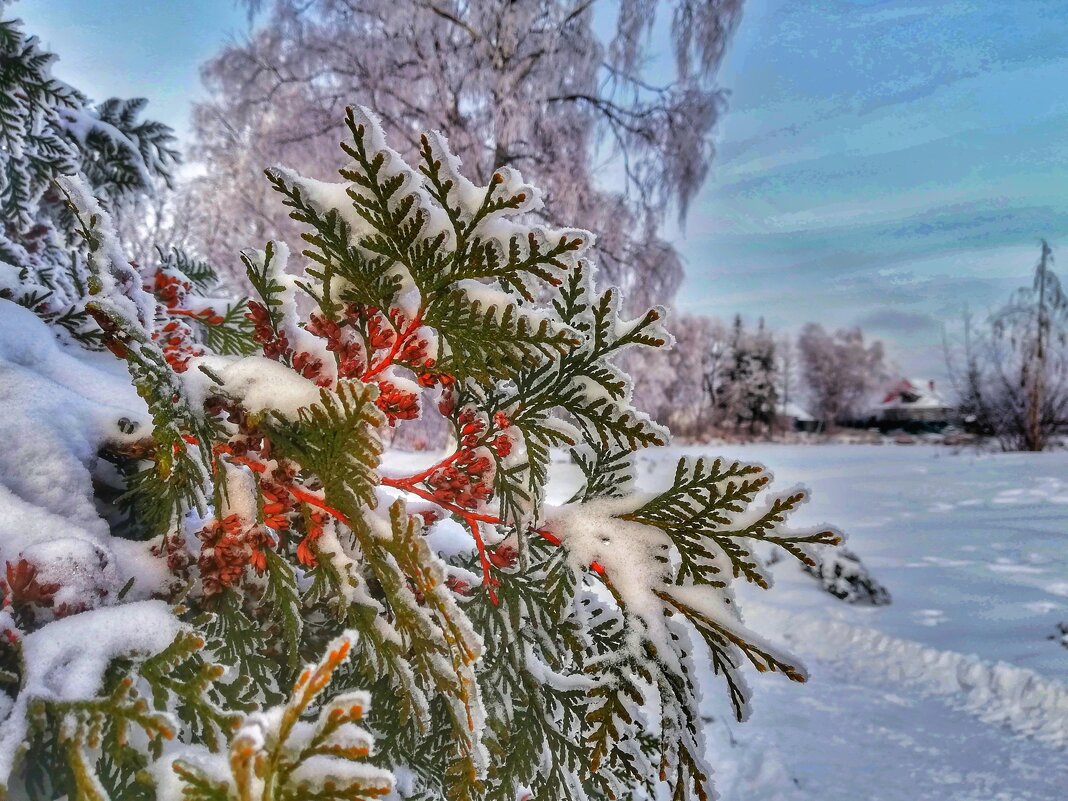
<point>951,692</point>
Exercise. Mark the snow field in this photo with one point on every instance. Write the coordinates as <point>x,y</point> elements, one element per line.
<point>953,691</point>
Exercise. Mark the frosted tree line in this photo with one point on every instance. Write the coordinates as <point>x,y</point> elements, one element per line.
<point>741,379</point>
<point>561,90</point>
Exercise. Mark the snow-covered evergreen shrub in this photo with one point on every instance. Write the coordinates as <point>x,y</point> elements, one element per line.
<point>48,128</point>
<point>239,520</point>
<point>841,573</point>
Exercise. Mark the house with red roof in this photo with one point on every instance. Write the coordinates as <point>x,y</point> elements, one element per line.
<point>914,401</point>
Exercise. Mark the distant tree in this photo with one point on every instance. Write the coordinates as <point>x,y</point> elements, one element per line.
<point>1014,379</point>
<point>762,389</point>
<point>748,395</point>
<point>679,383</point>
<point>786,370</point>
<point>530,85</point>
<point>839,370</point>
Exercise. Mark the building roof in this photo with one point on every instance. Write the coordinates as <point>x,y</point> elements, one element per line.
<point>913,393</point>
<point>791,409</point>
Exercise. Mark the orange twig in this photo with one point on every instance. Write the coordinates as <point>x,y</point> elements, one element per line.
<point>487,577</point>
<point>398,343</point>
<point>471,518</point>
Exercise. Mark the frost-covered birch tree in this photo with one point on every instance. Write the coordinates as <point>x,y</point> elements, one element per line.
<point>559,89</point>
<point>839,370</point>
<point>1012,372</point>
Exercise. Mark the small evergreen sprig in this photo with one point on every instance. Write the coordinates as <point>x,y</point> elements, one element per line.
<point>276,756</point>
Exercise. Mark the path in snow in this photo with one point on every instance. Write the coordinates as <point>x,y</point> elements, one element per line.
<point>844,737</point>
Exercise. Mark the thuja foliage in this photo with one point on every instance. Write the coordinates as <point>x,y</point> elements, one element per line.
<point>510,648</point>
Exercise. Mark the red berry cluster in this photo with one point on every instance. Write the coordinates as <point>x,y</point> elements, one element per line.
<point>380,335</point>
<point>414,352</point>
<point>316,521</point>
<point>176,337</point>
<point>433,379</point>
<point>279,507</point>
<point>458,585</point>
<point>447,401</point>
<point>23,591</point>
<point>310,367</point>
<point>229,545</point>
<point>169,289</point>
<point>396,403</point>
<point>341,342</point>
<point>504,557</point>
<point>172,546</point>
<point>178,345</point>
<point>395,334</point>
<point>463,480</point>
<point>390,338</point>
<point>275,345</point>
<point>278,504</point>
<point>247,447</point>
<point>502,443</point>
<point>278,492</point>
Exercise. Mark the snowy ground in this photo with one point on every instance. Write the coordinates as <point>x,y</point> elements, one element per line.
<point>953,691</point>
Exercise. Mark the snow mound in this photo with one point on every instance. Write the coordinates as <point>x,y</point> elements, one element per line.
<point>995,693</point>
<point>60,406</point>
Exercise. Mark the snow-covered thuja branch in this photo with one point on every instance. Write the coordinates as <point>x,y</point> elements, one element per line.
<point>147,318</point>
<point>513,649</point>
<point>419,274</point>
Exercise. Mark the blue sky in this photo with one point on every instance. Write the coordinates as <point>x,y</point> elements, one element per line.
<point>884,164</point>
<point>880,163</point>
<point>131,48</point>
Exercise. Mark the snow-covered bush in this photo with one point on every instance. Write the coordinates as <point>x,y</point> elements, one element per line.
<point>841,573</point>
<point>179,543</point>
<point>48,128</point>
